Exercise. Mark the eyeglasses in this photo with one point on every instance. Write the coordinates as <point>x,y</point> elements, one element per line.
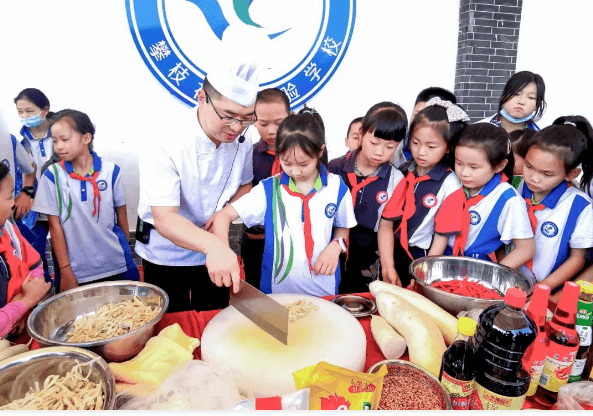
<point>230,121</point>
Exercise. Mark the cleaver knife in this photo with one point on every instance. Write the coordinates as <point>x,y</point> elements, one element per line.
<point>262,310</point>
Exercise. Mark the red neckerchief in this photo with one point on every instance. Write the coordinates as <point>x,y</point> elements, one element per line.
<point>93,181</point>
<point>309,243</point>
<point>352,178</point>
<point>409,207</point>
<point>461,239</point>
<point>276,167</point>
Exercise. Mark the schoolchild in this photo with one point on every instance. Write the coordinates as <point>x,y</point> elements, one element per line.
<point>521,104</point>
<point>352,142</point>
<point>403,153</point>
<point>22,284</point>
<point>429,181</point>
<point>371,180</point>
<point>493,213</point>
<point>84,199</point>
<point>306,212</point>
<point>271,108</point>
<point>33,108</point>
<point>519,145</point>
<point>560,214</point>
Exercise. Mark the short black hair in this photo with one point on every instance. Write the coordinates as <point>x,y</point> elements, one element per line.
<point>35,96</point>
<point>356,120</point>
<point>272,95</point>
<point>519,81</point>
<point>210,90</point>
<point>304,131</point>
<point>493,140</point>
<point>431,92</point>
<point>78,120</point>
<point>386,120</point>
<point>4,171</point>
<point>520,140</point>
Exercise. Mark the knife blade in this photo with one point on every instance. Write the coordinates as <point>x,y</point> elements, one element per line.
<point>262,310</point>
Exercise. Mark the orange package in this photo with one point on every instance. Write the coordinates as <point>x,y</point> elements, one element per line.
<point>336,388</point>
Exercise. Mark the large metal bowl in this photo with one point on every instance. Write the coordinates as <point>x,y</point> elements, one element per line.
<point>428,269</point>
<point>432,381</point>
<point>19,373</point>
<point>52,320</point>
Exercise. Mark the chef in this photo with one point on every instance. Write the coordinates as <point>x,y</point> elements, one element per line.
<point>185,179</point>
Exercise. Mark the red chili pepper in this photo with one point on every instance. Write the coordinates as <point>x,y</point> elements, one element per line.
<point>466,287</point>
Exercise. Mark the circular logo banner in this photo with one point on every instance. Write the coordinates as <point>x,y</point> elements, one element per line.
<point>303,41</point>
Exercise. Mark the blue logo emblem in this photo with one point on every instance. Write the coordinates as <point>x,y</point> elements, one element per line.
<point>301,42</point>
<point>549,229</point>
<point>474,218</point>
<point>6,162</point>
<point>102,185</point>
<point>330,210</point>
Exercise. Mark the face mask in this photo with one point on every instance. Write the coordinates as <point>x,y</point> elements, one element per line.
<point>32,121</point>
<point>506,115</point>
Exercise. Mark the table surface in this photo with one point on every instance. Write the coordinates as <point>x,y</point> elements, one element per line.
<point>193,324</point>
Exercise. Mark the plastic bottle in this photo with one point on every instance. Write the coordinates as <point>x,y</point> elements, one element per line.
<point>583,327</point>
<point>458,368</point>
<point>535,356</point>
<point>562,347</point>
<point>503,335</point>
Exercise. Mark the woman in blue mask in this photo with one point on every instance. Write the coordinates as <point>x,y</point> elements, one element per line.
<point>522,103</point>
<point>32,106</point>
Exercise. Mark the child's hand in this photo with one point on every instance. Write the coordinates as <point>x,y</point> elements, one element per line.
<point>33,290</point>
<point>22,205</point>
<point>327,262</point>
<point>68,279</point>
<point>390,275</point>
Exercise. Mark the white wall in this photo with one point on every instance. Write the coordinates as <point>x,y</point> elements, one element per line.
<point>556,41</point>
<point>81,54</point>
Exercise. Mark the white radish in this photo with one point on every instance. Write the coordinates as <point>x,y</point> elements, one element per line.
<point>392,344</point>
<point>423,337</point>
<point>4,343</point>
<point>12,351</point>
<point>446,322</point>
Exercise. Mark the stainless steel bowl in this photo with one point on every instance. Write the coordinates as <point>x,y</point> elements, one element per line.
<point>434,382</point>
<point>50,321</point>
<point>19,373</point>
<point>428,269</point>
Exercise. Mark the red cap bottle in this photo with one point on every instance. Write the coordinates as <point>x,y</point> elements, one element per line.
<point>515,298</point>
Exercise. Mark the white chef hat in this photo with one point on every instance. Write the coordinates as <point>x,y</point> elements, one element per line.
<point>238,82</point>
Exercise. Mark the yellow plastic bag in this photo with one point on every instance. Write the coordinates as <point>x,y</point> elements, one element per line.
<point>336,388</point>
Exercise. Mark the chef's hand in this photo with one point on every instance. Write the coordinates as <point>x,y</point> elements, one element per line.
<point>223,267</point>
<point>390,275</point>
<point>328,260</point>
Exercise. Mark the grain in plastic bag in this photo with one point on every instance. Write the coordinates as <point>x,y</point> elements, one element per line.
<point>575,396</point>
<point>336,388</point>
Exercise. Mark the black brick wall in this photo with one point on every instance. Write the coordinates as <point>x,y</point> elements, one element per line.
<point>486,53</point>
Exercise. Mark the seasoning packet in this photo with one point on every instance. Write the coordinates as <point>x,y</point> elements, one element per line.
<point>336,388</point>
<point>296,400</point>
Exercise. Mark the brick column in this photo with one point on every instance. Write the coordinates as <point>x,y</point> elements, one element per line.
<point>486,53</point>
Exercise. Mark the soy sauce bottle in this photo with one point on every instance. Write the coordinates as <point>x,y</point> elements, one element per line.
<point>458,369</point>
<point>562,348</point>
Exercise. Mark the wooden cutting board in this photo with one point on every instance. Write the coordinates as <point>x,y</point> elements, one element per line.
<point>263,366</point>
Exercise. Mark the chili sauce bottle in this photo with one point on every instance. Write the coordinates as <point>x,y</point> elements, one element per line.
<point>583,327</point>
<point>562,347</point>
<point>458,368</point>
<point>535,356</point>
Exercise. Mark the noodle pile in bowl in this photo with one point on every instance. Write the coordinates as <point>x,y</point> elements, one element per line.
<point>113,319</point>
<point>73,391</point>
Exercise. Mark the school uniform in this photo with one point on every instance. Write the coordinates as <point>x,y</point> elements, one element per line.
<point>40,149</point>
<point>97,246</point>
<point>252,243</point>
<point>298,229</point>
<point>188,171</point>
<point>414,207</point>
<point>16,157</point>
<point>369,198</point>
<point>495,216</point>
<point>339,161</point>
<point>17,260</point>
<point>561,221</point>
<point>497,121</point>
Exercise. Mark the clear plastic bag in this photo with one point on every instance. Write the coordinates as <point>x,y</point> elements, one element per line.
<point>576,396</point>
<point>296,400</point>
<point>193,385</point>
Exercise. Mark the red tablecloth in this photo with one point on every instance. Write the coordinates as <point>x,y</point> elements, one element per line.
<point>193,324</point>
